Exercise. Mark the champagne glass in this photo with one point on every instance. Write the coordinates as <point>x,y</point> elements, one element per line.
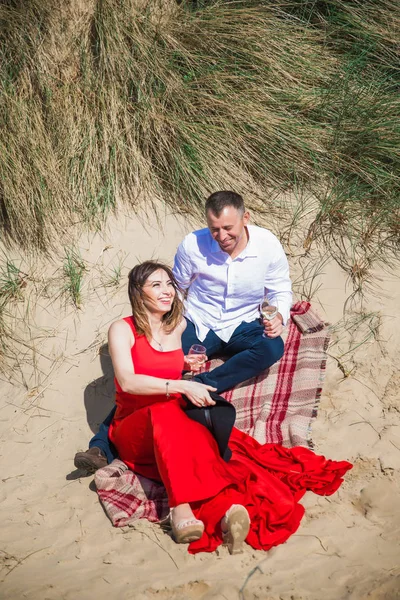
<point>196,357</point>
<point>268,311</point>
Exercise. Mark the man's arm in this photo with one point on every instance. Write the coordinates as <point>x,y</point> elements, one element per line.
<point>183,269</point>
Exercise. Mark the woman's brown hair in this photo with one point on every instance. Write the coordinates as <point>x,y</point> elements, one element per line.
<point>137,278</point>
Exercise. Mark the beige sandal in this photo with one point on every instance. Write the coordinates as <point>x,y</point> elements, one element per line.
<point>235,527</point>
<point>186,530</point>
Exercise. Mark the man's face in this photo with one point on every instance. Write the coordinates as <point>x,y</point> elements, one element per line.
<point>229,229</point>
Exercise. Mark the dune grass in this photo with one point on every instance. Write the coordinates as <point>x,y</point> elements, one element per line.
<point>73,270</point>
<point>12,282</point>
<point>121,101</point>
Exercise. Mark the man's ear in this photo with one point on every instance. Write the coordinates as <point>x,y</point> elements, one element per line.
<point>246,217</point>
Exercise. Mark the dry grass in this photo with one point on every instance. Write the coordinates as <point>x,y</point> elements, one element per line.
<point>112,101</point>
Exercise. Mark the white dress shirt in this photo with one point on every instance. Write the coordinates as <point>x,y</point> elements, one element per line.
<point>223,292</point>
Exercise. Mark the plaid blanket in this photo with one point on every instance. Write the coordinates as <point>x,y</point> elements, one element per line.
<point>278,406</point>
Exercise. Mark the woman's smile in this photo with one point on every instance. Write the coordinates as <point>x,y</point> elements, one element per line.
<point>166,301</point>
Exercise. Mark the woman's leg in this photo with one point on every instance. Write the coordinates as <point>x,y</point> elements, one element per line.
<point>133,439</point>
<point>187,455</point>
<point>185,527</point>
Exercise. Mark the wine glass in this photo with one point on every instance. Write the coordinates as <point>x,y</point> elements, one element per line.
<point>196,357</point>
<point>268,311</point>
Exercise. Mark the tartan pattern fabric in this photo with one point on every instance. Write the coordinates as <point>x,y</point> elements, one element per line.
<point>127,497</point>
<point>278,406</point>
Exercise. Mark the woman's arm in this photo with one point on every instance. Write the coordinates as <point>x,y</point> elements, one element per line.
<point>120,342</point>
<point>182,325</point>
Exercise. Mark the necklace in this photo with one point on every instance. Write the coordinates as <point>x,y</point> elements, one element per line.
<point>161,349</point>
<point>159,345</point>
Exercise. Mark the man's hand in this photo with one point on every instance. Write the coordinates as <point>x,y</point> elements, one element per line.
<point>273,328</point>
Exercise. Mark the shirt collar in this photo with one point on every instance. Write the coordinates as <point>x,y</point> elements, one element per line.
<point>251,248</point>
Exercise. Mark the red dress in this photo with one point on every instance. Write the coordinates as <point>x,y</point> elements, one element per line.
<point>156,438</point>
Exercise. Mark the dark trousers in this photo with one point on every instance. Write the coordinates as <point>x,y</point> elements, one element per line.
<point>100,439</point>
<point>248,352</point>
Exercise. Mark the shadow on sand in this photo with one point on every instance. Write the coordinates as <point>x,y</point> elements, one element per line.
<point>99,395</point>
<point>99,398</point>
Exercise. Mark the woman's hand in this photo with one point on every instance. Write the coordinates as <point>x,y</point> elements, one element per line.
<point>197,393</point>
<point>194,362</point>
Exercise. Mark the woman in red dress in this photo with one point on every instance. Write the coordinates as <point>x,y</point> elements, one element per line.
<point>254,496</point>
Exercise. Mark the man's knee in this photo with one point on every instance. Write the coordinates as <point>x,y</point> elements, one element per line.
<point>270,350</point>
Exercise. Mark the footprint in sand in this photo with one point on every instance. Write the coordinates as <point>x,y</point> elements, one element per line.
<point>193,590</point>
<point>378,499</point>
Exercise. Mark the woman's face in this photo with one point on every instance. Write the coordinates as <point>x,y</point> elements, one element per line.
<point>158,292</point>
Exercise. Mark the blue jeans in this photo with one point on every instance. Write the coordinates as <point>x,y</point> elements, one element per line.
<point>100,439</point>
<point>248,352</point>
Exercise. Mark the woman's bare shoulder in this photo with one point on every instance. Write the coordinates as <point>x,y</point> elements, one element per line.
<point>182,325</point>
<point>120,328</point>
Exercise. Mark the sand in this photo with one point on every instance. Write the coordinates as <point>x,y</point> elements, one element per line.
<point>56,541</point>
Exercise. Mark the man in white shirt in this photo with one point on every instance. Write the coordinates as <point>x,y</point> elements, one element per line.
<point>226,269</point>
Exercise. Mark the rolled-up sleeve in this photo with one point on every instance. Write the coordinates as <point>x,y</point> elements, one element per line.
<point>278,287</point>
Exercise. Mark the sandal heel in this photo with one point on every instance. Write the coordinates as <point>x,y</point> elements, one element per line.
<point>237,524</point>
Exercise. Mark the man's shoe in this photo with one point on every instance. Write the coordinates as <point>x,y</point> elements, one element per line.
<point>91,460</point>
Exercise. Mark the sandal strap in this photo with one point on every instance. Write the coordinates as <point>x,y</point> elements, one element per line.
<point>188,523</point>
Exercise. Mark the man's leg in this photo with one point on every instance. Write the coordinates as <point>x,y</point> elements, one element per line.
<point>250,353</point>
<point>101,451</point>
<point>100,439</point>
<point>212,343</point>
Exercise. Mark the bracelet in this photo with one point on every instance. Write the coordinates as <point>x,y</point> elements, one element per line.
<point>167,389</point>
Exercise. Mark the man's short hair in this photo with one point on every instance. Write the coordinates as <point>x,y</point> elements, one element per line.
<point>219,200</point>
